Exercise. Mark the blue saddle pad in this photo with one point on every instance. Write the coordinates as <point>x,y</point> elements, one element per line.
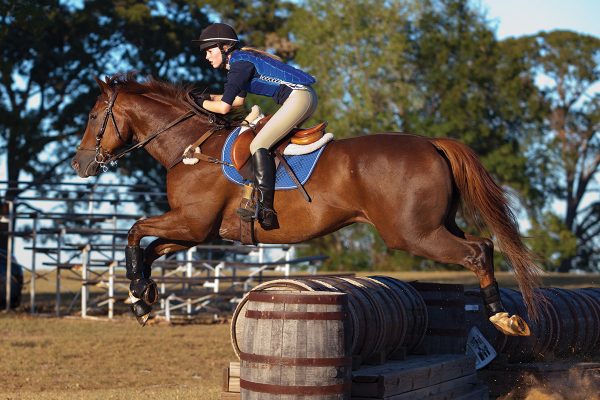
<point>302,166</point>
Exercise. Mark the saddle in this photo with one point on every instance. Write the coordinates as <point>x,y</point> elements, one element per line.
<point>240,152</point>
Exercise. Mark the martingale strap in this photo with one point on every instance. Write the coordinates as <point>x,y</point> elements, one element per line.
<point>195,151</point>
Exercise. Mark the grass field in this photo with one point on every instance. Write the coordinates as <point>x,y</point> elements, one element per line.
<point>71,358</point>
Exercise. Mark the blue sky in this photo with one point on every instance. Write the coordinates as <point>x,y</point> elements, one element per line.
<point>524,17</point>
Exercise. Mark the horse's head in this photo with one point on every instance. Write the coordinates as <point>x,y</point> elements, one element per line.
<point>107,130</point>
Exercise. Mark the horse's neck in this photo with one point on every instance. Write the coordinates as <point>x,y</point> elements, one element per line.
<point>168,147</point>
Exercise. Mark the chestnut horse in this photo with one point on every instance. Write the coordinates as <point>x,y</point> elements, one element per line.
<point>408,187</point>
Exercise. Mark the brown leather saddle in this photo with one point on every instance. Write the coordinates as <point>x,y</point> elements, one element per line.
<point>240,151</point>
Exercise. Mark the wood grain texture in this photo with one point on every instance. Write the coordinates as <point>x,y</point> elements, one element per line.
<point>275,341</point>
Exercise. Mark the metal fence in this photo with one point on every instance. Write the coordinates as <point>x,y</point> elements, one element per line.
<point>77,233</point>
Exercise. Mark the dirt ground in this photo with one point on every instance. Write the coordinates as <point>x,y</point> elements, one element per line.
<point>71,358</point>
<point>51,358</point>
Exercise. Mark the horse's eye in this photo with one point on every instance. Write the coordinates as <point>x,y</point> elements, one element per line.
<point>93,115</point>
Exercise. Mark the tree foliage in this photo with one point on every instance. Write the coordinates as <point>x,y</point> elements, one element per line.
<point>358,52</point>
<point>44,82</point>
<point>51,52</point>
<point>566,150</point>
<point>431,67</point>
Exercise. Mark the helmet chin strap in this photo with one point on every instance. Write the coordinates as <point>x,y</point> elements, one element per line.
<point>225,53</point>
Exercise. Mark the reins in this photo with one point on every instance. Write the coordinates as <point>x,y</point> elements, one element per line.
<point>153,136</point>
<point>102,158</point>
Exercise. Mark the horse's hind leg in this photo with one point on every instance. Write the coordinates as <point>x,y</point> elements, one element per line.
<point>476,254</point>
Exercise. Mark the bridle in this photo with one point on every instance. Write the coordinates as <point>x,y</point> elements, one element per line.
<point>103,157</point>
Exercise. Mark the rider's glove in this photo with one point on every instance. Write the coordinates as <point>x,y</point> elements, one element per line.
<point>200,97</point>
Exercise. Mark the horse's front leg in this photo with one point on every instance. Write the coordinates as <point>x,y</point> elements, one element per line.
<point>173,235</point>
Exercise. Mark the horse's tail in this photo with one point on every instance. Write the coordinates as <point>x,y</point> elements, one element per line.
<point>483,199</point>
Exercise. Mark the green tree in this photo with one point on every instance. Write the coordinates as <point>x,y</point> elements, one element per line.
<point>470,89</point>
<point>428,67</point>
<point>552,239</point>
<point>566,151</point>
<point>51,51</point>
<point>48,60</point>
<point>357,50</point>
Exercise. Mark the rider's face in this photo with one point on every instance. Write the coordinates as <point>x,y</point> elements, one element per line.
<point>213,55</point>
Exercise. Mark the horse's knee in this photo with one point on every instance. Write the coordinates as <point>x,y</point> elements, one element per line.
<point>134,235</point>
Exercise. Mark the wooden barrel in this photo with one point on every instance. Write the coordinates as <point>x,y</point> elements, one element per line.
<point>591,313</point>
<point>395,315</point>
<point>578,322</point>
<point>368,330</point>
<point>543,331</point>
<point>446,331</point>
<point>592,297</point>
<point>415,311</point>
<point>357,316</point>
<point>297,346</point>
<point>238,320</point>
<point>385,314</point>
<point>377,334</point>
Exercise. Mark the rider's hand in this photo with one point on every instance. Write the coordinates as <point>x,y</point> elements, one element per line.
<point>200,97</point>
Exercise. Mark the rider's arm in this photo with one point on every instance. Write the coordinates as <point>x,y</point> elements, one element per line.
<point>240,73</point>
<point>217,105</point>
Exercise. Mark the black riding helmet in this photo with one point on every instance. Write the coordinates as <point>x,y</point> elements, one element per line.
<point>217,35</point>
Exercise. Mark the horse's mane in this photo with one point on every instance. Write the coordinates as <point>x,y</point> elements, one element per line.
<point>127,82</point>
<point>175,92</point>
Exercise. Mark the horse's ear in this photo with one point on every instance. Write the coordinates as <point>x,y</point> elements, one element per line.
<point>103,85</point>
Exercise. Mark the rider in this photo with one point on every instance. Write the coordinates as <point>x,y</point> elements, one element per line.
<point>258,72</point>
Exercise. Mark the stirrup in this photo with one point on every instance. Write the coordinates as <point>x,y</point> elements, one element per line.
<point>247,209</point>
<point>245,214</point>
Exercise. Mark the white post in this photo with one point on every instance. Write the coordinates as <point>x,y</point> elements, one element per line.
<point>168,308</point>
<point>218,269</point>
<point>189,273</point>
<point>163,288</point>
<point>261,254</point>
<point>84,277</point>
<point>58,261</point>
<point>111,289</point>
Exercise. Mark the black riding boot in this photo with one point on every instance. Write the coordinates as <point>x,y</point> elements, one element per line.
<point>264,181</point>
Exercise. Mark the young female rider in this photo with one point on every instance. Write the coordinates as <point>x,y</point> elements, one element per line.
<point>257,72</point>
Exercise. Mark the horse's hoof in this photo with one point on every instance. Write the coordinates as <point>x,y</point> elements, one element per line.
<point>140,309</point>
<point>143,319</point>
<point>144,289</point>
<point>510,326</point>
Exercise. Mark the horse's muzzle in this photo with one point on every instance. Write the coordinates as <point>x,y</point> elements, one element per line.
<point>84,164</point>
